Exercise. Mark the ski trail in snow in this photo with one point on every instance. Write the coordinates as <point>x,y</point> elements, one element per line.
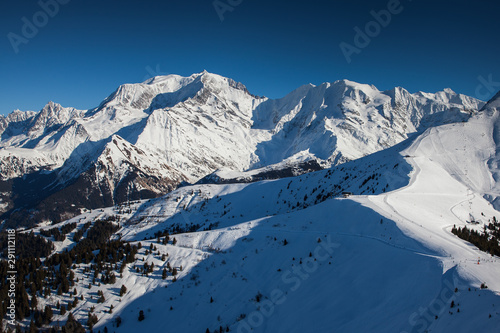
<point>422,222</point>
<point>459,204</point>
<point>389,243</point>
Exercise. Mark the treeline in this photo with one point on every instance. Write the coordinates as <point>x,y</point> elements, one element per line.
<point>178,229</point>
<point>58,234</point>
<point>30,278</point>
<point>27,245</point>
<point>55,275</point>
<point>487,241</point>
<point>98,235</point>
<point>80,232</point>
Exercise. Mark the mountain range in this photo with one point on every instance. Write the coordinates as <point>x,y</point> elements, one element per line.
<point>188,204</point>
<point>147,139</point>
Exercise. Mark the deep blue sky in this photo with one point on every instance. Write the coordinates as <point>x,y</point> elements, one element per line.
<point>90,47</point>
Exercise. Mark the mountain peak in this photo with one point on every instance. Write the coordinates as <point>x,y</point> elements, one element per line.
<point>161,79</point>
<point>348,84</point>
<point>18,115</point>
<point>493,102</point>
<point>51,107</point>
<point>206,73</point>
<point>219,82</point>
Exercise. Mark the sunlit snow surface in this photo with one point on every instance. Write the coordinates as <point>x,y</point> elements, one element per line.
<point>380,260</point>
<point>387,261</point>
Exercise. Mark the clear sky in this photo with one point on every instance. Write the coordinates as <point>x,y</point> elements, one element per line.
<point>81,51</point>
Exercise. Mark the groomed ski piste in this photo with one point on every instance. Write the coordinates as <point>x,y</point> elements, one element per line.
<point>285,256</point>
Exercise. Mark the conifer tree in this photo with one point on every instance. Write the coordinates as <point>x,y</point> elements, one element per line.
<point>123,290</point>
<point>34,302</point>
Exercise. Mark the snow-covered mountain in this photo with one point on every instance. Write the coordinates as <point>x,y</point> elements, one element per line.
<point>295,255</point>
<point>145,139</point>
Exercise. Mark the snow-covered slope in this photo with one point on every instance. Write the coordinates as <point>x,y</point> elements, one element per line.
<point>189,127</point>
<point>292,255</point>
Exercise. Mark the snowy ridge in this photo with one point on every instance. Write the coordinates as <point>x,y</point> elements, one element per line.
<point>493,103</point>
<point>381,260</point>
<point>193,126</point>
<point>343,110</point>
<point>345,120</point>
